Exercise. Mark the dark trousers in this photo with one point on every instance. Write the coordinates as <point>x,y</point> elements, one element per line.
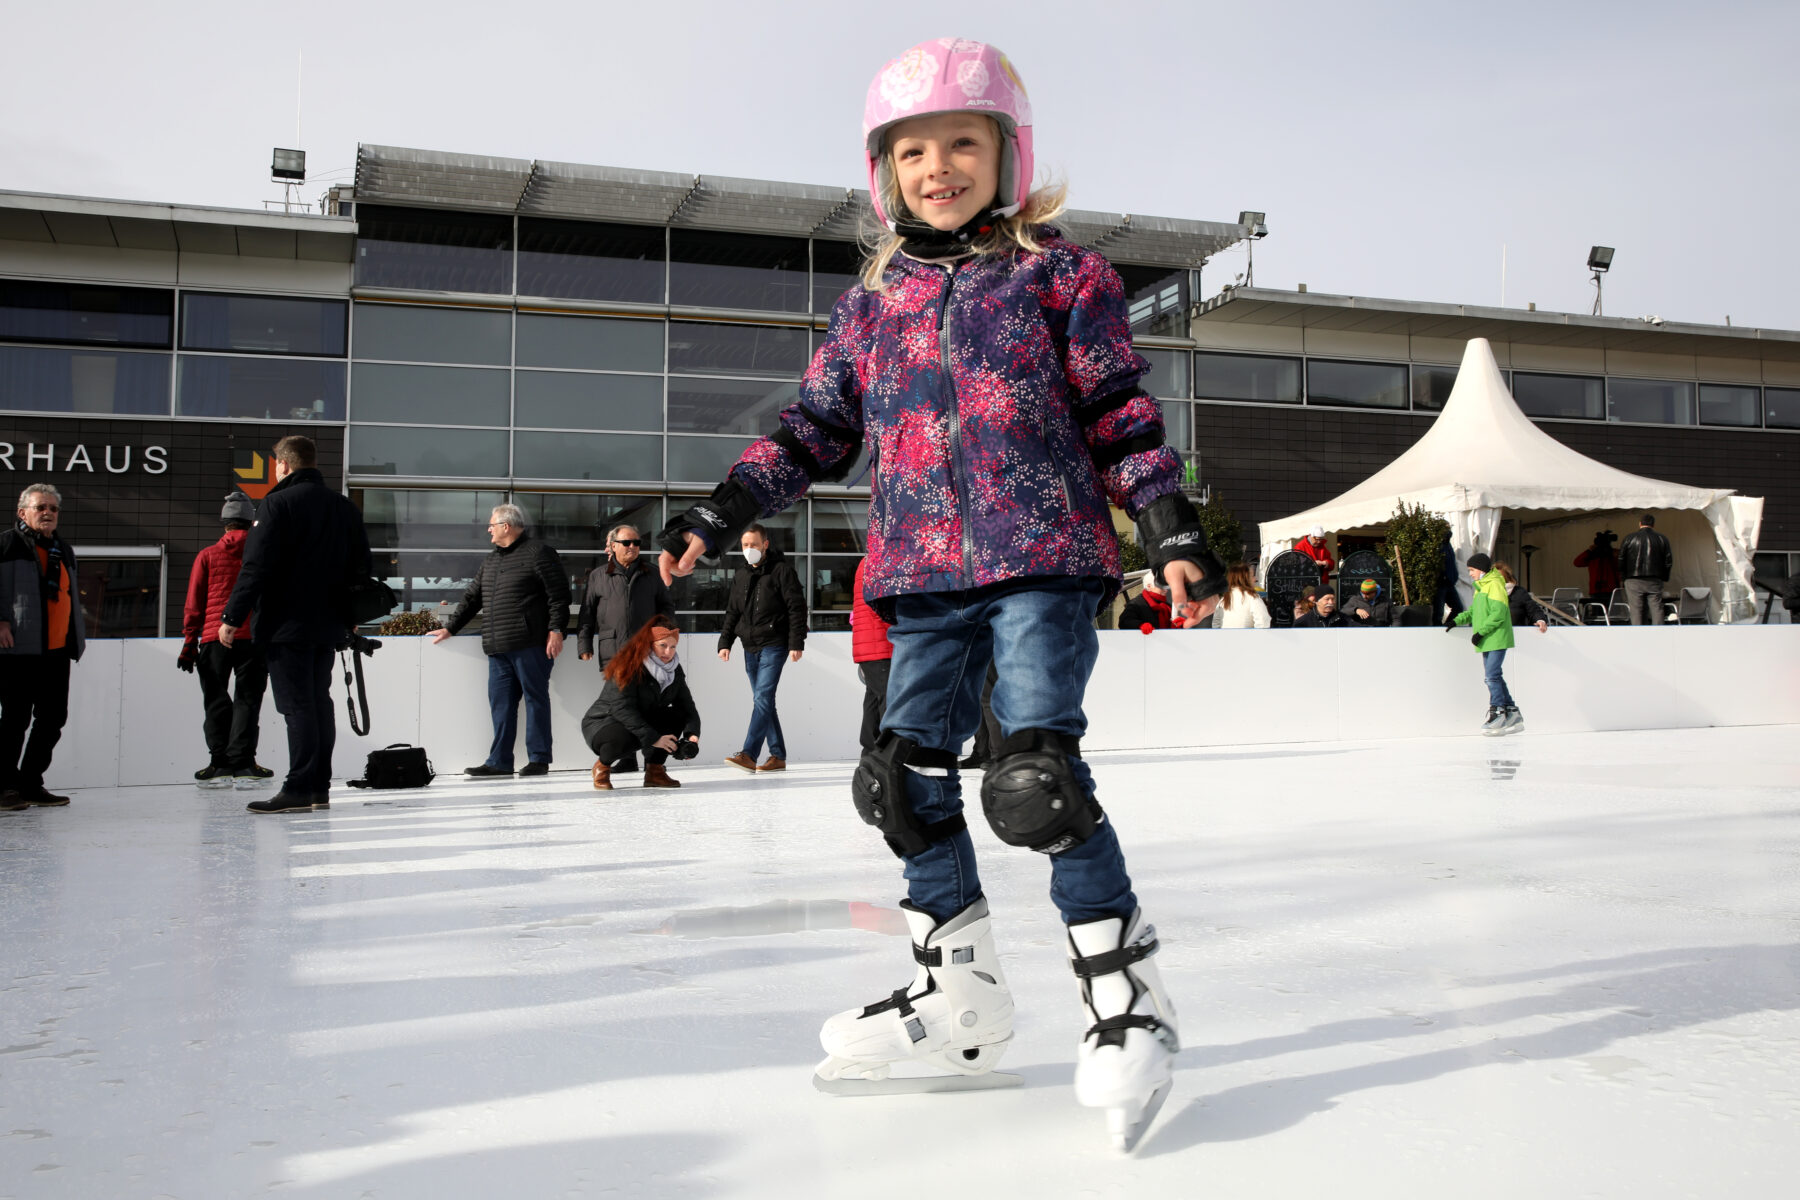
<point>874,676</point>
<point>232,721</point>
<point>514,674</point>
<point>1643,600</point>
<point>300,674</point>
<point>612,741</point>
<point>34,695</point>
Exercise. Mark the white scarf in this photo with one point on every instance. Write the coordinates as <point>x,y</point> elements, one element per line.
<point>663,672</point>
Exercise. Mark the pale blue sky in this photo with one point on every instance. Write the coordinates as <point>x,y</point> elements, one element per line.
<point>1395,147</point>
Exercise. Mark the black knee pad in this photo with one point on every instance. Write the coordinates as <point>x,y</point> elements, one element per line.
<point>879,792</point>
<point>1032,797</point>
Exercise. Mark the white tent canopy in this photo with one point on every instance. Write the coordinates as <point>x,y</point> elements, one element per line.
<point>1483,456</point>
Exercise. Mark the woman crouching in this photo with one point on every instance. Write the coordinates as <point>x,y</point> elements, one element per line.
<point>644,705</point>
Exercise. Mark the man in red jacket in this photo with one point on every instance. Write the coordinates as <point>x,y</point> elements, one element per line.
<point>1314,547</point>
<point>231,721</point>
<point>873,654</point>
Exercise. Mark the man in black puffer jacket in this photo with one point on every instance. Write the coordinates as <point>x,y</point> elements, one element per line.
<point>307,546</point>
<point>523,590</point>
<point>767,609</point>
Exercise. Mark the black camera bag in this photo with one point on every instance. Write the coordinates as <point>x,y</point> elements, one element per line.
<point>397,766</point>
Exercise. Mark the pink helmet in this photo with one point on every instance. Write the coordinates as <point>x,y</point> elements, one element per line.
<point>951,75</point>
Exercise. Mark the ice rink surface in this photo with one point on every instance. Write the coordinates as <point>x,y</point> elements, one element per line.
<point>1537,966</point>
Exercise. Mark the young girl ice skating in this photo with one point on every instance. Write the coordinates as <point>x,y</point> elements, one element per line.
<point>987,364</point>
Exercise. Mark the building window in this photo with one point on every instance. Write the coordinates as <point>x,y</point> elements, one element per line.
<point>441,395</point>
<point>1431,387</point>
<point>704,349</point>
<point>413,333</point>
<point>589,343</point>
<point>1571,396</point>
<point>268,389</point>
<point>1168,374</point>
<point>1723,405</point>
<point>736,406</point>
<point>1781,408</point>
<point>840,526</point>
<point>1246,377</point>
<point>263,324</point>
<point>1178,425</point>
<point>580,400</point>
<point>122,597</point>
<point>836,268</point>
<point>427,452</point>
<point>579,521</point>
<point>81,314</point>
<point>1355,384</point>
<point>737,270</point>
<point>1156,299</point>
<point>589,260</point>
<point>1652,401</point>
<point>430,580</point>
<point>703,459</point>
<point>587,456</point>
<point>46,379</point>
<point>399,519</point>
<point>433,251</point>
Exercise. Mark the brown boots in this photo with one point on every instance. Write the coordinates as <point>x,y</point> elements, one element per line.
<point>655,776</point>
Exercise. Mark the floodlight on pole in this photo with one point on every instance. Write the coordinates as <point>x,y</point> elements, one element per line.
<point>1599,262</point>
<point>1254,231</point>
<point>289,166</point>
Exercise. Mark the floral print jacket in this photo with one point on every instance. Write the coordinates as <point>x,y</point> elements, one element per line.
<point>1000,402</point>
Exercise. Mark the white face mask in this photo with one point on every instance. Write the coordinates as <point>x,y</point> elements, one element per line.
<point>753,556</point>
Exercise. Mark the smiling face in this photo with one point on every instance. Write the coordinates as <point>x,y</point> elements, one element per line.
<point>947,166</point>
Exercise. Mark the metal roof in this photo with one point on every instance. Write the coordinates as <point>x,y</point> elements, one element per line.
<point>429,178</point>
<point>135,225</point>
<point>1363,314</point>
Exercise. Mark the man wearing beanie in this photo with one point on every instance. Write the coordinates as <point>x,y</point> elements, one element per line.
<point>1369,607</point>
<point>231,722</point>
<point>1490,614</point>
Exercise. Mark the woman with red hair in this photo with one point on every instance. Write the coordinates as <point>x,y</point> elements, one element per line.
<point>645,705</point>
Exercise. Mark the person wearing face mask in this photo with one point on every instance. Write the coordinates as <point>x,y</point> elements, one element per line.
<point>42,633</point>
<point>767,611</point>
<point>645,705</point>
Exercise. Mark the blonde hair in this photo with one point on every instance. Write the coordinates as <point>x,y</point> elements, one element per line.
<point>1017,232</point>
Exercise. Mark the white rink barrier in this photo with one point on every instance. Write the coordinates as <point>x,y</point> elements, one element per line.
<point>135,719</point>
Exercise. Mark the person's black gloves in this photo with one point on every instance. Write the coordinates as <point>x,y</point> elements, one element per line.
<point>1169,530</point>
<point>190,655</point>
<point>718,520</point>
<point>1475,640</point>
<point>1450,623</point>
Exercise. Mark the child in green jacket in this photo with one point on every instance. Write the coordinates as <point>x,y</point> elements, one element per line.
<point>1491,616</point>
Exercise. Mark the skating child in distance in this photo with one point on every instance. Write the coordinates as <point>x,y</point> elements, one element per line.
<point>987,363</point>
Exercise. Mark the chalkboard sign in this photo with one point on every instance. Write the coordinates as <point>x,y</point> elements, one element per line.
<point>1290,574</point>
<point>1366,564</point>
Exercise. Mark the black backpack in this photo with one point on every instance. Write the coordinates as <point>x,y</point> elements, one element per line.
<point>397,766</point>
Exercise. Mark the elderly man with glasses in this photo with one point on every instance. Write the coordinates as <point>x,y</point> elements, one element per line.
<point>622,593</point>
<point>523,591</point>
<point>41,633</point>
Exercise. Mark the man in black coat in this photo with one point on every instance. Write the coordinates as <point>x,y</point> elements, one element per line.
<point>306,548</point>
<point>42,632</point>
<point>767,609</point>
<point>622,593</point>
<point>1646,560</point>
<point>524,591</point>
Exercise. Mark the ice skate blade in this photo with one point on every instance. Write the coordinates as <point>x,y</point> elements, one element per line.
<point>1127,1132</point>
<point>917,1084</point>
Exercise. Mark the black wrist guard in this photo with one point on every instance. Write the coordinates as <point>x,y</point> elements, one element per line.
<point>719,520</point>
<point>1169,530</point>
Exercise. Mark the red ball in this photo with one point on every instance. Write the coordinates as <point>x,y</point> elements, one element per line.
<point>1146,628</point>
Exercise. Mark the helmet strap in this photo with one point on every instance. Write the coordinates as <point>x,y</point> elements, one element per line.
<point>916,237</point>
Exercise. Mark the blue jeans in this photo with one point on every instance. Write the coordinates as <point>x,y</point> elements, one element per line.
<point>1491,661</point>
<point>1040,635</point>
<point>764,669</point>
<point>511,675</point>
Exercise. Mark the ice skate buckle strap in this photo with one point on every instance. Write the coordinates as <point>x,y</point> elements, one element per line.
<point>1114,960</point>
<point>1110,1031</point>
<point>901,1003</point>
<point>934,957</point>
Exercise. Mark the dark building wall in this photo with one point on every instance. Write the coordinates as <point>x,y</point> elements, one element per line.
<point>1272,462</point>
<point>177,508</point>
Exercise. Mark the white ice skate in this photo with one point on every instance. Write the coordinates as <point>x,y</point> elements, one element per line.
<point>945,1031</point>
<point>1126,1061</point>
